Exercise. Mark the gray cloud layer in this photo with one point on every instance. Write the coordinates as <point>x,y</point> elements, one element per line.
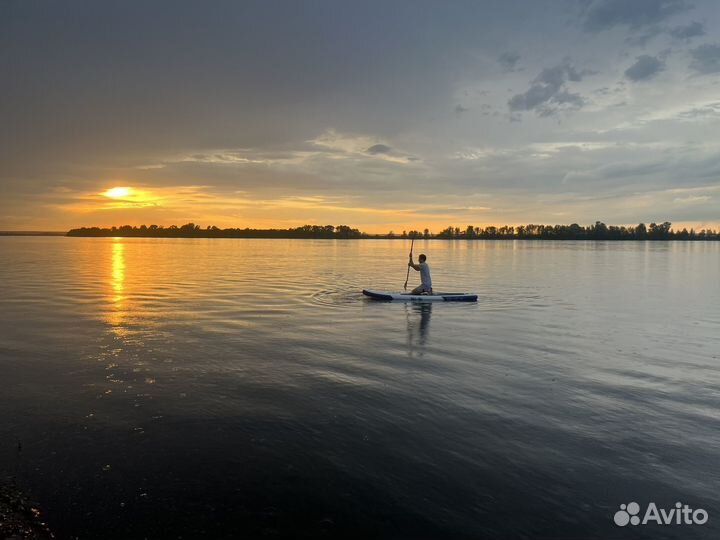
<point>441,105</point>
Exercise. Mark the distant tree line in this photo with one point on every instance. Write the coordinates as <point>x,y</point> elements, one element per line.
<point>191,230</point>
<point>598,231</point>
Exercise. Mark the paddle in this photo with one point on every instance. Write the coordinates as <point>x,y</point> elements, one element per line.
<point>408,272</point>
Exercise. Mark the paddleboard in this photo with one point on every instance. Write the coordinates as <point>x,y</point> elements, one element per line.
<point>407,297</point>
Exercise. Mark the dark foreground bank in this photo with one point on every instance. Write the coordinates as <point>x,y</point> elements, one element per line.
<point>20,519</point>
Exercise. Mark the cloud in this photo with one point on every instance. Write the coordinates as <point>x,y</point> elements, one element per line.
<point>359,148</point>
<point>692,199</point>
<point>607,14</point>
<point>688,31</point>
<point>706,58</point>
<point>548,94</point>
<point>645,67</point>
<point>508,60</point>
<point>683,32</point>
<point>334,141</point>
<point>708,110</point>
<point>536,95</point>
<point>379,149</point>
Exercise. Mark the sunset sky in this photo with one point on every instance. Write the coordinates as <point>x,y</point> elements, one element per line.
<point>380,115</point>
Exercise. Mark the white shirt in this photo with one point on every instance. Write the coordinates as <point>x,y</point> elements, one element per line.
<point>425,275</point>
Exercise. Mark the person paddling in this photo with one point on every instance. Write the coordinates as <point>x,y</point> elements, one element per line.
<point>425,286</point>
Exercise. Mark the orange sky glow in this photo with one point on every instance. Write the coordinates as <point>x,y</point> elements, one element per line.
<point>124,204</point>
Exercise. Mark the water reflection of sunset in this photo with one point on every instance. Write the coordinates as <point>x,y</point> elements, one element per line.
<point>117,297</point>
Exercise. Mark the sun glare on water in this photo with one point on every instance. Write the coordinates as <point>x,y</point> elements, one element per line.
<point>118,192</point>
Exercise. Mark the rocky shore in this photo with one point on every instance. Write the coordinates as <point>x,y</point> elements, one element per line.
<point>20,519</point>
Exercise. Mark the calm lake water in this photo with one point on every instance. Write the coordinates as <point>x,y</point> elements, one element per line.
<point>191,388</point>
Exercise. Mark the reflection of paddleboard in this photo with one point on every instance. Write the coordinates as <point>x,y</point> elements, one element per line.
<point>435,297</point>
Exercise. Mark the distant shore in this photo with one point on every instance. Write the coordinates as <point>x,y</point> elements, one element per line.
<point>33,233</point>
<point>597,231</point>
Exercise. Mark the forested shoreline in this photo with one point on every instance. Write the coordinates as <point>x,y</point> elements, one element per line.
<point>596,231</point>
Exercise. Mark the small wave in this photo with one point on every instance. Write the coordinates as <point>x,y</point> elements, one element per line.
<point>336,297</point>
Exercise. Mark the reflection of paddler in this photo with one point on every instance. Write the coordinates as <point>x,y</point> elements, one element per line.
<point>418,328</point>
<point>425,312</point>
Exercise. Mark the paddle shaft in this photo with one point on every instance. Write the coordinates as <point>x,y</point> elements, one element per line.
<point>407,277</point>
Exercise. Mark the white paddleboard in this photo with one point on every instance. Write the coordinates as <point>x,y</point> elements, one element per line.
<point>407,297</point>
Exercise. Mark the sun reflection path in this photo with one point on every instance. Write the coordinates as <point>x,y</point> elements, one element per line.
<point>117,283</point>
<point>125,357</point>
<point>118,269</point>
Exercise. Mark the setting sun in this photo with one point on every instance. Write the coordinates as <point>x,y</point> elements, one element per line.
<point>117,192</point>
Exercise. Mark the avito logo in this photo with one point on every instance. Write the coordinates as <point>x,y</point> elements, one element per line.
<point>680,515</point>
